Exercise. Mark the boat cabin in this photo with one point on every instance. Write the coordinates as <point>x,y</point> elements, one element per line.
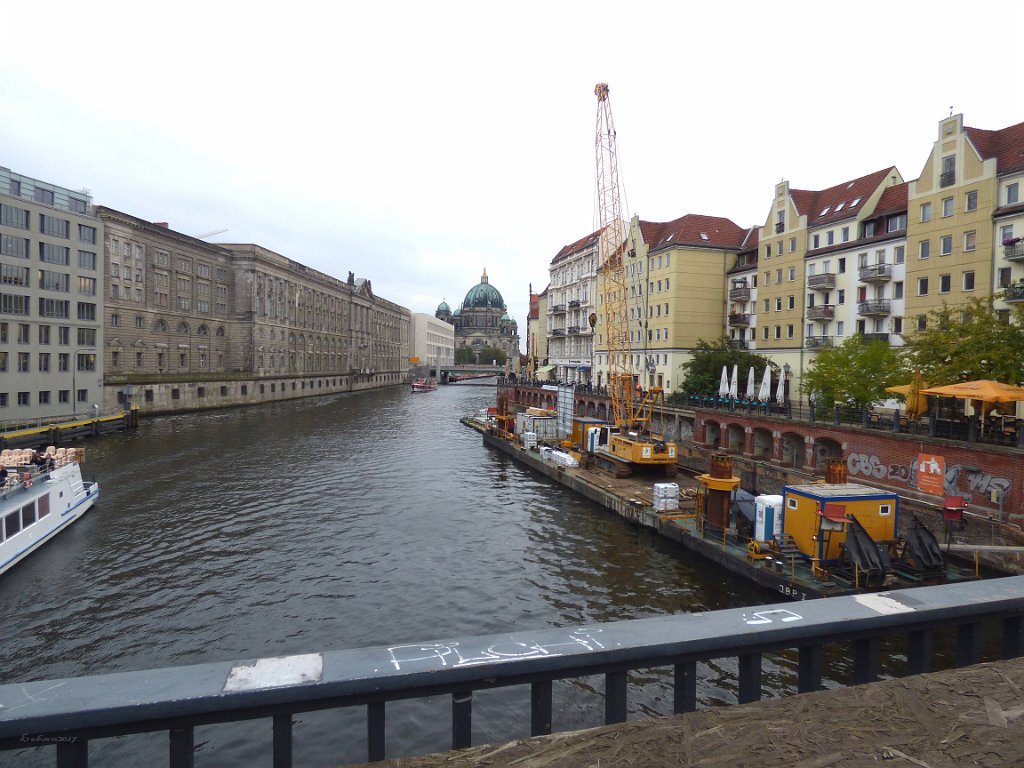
<point>819,516</point>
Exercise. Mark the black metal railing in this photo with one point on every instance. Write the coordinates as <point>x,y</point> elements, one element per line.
<point>1014,251</point>
<point>178,700</point>
<point>739,319</point>
<point>817,342</point>
<point>874,307</point>
<point>741,293</point>
<point>875,273</point>
<point>947,178</point>
<point>821,312</point>
<point>1013,293</point>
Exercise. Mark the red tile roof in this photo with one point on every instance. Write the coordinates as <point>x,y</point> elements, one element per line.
<point>693,229</point>
<point>1006,145</point>
<point>840,202</point>
<point>584,242</point>
<point>893,199</point>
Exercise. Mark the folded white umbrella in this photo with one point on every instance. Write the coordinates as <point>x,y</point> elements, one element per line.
<point>723,387</point>
<point>734,385</point>
<point>750,383</point>
<point>780,391</point>
<point>765,393</point>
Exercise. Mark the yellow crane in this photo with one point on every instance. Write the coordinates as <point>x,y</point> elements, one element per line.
<point>631,442</point>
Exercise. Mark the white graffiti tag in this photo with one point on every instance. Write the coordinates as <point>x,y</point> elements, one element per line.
<point>452,655</point>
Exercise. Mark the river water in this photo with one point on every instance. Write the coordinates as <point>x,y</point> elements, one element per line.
<point>324,524</point>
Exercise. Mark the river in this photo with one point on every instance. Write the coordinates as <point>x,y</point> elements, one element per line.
<point>331,523</point>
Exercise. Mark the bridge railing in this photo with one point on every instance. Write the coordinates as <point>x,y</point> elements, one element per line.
<point>70,713</point>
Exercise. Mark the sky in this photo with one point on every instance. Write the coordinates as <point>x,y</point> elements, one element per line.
<point>418,143</point>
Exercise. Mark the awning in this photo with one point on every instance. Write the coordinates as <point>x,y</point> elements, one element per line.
<point>545,368</point>
<point>582,367</point>
<point>835,512</point>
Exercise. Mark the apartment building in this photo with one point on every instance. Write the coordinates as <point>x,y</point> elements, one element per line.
<point>571,289</point>
<point>51,289</point>
<point>676,295</point>
<point>433,341</point>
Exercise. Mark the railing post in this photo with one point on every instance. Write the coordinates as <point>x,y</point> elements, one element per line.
<point>920,645</point>
<point>375,731</point>
<point>968,644</point>
<point>684,698</point>
<point>540,708</point>
<point>1013,637</point>
<point>809,672</point>
<point>865,660</point>
<point>750,678</point>
<point>182,747</point>
<point>462,719</point>
<point>282,741</point>
<point>73,754</point>
<point>614,697</point>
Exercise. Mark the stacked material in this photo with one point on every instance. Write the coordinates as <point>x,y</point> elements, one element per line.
<point>529,440</point>
<point>559,457</point>
<point>666,497</point>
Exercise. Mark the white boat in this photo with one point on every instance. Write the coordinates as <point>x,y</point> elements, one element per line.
<point>36,503</point>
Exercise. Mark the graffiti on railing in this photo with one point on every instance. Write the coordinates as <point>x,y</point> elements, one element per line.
<point>452,655</point>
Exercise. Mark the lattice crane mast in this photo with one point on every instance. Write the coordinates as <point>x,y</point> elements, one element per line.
<point>631,443</point>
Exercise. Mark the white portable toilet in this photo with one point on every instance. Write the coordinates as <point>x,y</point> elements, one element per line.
<point>768,514</point>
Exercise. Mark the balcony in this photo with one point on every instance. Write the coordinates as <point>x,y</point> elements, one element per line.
<point>739,293</point>
<point>821,312</point>
<point>876,273</point>
<point>558,331</point>
<point>817,342</point>
<point>739,319</point>
<point>869,337</point>
<point>1014,251</point>
<point>556,309</point>
<point>1014,293</point>
<point>573,330</point>
<point>947,178</point>
<point>737,343</point>
<point>823,282</point>
<point>780,227</point>
<point>574,304</point>
<point>874,307</point>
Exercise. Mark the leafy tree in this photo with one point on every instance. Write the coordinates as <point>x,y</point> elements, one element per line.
<point>702,374</point>
<point>969,342</point>
<point>854,374</point>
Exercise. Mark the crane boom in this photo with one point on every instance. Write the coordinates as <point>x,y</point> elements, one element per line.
<point>632,443</point>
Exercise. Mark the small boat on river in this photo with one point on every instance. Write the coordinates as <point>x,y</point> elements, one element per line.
<point>37,501</point>
<point>424,385</point>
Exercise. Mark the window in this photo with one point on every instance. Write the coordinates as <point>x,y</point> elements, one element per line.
<point>923,249</point>
<point>44,196</point>
<point>792,274</point>
<point>862,260</point>
<point>767,305</point>
<point>54,227</point>
<point>947,206</point>
<point>44,362</point>
<point>841,296</point>
<point>869,229</point>
<point>86,234</point>
<point>87,337</point>
<point>768,251</point>
<point>792,302</point>
<point>54,254</point>
<point>968,281</point>
<point>969,240</point>
<point>830,237</point>
<point>18,247</point>
<point>922,322</point>
<point>971,201</point>
<point>792,244</point>
<point>778,331</point>
<point>943,283</point>
<point>44,334</point>
<point>922,286</point>
<point>840,328</point>
<point>12,275</point>
<point>1006,233</point>
<point>846,234</point>
<point>897,222</point>
<point>16,218</point>
<point>778,275</point>
<point>1012,193</point>
<point>947,245</point>
<point>86,311</point>
<point>13,304</point>
<point>87,286</point>
<point>1003,277</point>
<point>897,290</point>
<point>778,303</point>
<point>926,211</point>
<point>897,325</point>
<point>23,362</point>
<point>948,177</point>
<point>86,260</point>
<point>815,241</point>
<point>899,254</point>
<point>789,331</point>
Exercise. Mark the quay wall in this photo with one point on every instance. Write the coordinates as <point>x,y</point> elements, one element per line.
<point>158,397</point>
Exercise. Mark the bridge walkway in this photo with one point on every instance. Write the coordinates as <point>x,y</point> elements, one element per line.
<point>973,716</point>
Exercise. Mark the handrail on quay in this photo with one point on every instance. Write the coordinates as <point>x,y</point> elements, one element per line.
<point>71,712</point>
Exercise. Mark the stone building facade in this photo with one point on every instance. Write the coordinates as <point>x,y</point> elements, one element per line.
<point>197,325</point>
<point>482,321</point>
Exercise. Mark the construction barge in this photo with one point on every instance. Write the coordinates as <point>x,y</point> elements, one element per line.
<point>816,540</point>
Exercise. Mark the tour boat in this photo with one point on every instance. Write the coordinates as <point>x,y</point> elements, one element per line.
<point>424,385</point>
<point>37,502</point>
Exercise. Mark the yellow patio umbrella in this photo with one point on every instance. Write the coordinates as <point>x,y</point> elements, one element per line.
<point>983,389</point>
<point>917,403</point>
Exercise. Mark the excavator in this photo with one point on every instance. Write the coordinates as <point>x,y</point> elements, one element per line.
<point>631,442</point>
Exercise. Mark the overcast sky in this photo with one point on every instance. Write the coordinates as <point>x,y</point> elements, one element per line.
<point>417,143</point>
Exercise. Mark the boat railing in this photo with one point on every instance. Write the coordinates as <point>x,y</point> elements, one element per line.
<point>177,700</point>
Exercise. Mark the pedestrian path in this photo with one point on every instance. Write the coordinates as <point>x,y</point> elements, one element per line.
<point>962,717</point>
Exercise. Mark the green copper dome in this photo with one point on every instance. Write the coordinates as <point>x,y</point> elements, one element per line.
<point>483,295</point>
<point>443,307</point>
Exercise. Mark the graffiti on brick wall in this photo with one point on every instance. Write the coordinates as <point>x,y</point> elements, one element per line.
<point>960,479</point>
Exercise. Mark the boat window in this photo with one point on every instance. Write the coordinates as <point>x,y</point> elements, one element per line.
<point>791,502</point>
<point>884,509</point>
<point>12,524</point>
<point>28,515</point>
<point>44,506</point>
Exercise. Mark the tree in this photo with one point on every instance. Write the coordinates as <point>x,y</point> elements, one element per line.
<point>481,355</point>
<point>969,342</point>
<point>703,372</point>
<point>854,374</point>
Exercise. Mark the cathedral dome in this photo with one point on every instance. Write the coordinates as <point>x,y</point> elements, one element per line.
<point>483,295</point>
<point>443,307</point>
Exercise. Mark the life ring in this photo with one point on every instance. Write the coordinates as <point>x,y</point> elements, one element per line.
<point>26,480</point>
